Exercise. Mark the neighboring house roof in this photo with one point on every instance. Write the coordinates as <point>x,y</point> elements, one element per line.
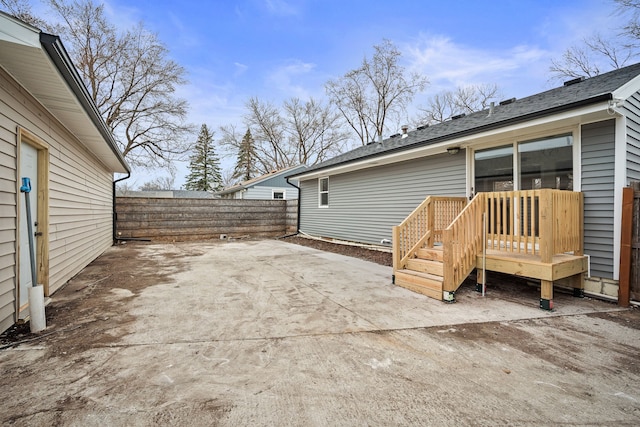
<point>40,63</point>
<point>574,94</point>
<point>255,181</point>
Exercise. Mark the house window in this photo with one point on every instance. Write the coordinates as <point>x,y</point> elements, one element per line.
<point>546,163</point>
<point>278,194</point>
<point>323,190</point>
<point>494,169</point>
<point>542,163</point>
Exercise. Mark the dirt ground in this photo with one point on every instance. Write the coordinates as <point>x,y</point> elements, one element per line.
<point>275,344</point>
<point>379,257</point>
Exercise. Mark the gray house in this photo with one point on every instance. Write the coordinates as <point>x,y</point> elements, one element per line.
<point>582,137</point>
<point>270,186</point>
<point>50,132</point>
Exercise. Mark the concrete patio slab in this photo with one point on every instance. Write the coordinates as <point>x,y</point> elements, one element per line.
<point>269,333</point>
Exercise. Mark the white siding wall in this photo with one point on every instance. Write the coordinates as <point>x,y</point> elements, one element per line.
<point>364,205</point>
<point>80,210</point>
<point>258,192</point>
<point>633,137</point>
<point>8,200</point>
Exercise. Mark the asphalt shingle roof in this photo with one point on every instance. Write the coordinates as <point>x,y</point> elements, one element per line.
<point>591,90</point>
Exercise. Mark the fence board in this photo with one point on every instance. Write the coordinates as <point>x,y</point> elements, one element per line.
<point>194,219</point>
<point>635,246</point>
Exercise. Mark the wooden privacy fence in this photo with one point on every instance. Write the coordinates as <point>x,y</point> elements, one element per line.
<point>630,246</point>
<point>196,219</point>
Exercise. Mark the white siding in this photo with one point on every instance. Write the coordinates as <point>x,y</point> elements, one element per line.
<point>598,152</point>
<point>633,137</point>
<point>364,205</point>
<point>8,161</point>
<point>259,192</point>
<point>80,209</point>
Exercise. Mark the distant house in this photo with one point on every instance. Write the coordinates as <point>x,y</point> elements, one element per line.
<point>266,187</point>
<point>50,132</point>
<point>582,137</point>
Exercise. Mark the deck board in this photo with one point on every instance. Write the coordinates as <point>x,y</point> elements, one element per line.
<point>527,265</point>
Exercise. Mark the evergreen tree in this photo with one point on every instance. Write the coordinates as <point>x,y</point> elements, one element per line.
<point>204,165</point>
<point>245,168</point>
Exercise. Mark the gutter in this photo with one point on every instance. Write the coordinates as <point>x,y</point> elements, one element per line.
<point>115,214</point>
<point>472,131</point>
<point>58,54</point>
<point>299,199</point>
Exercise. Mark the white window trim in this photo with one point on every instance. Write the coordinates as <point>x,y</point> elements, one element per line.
<point>274,191</point>
<point>320,205</point>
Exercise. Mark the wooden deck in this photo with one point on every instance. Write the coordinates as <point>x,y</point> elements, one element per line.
<point>527,265</point>
<point>535,233</point>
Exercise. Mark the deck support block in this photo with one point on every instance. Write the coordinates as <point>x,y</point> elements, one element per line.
<point>479,280</point>
<point>449,296</point>
<point>546,304</point>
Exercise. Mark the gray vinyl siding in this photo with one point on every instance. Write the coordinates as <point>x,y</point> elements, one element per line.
<point>365,204</point>
<point>80,196</point>
<point>632,106</point>
<point>598,161</point>
<point>281,179</point>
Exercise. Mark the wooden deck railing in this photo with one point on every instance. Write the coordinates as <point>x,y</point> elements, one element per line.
<point>462,243</point>
<point>424,227</point>
<point>535,222</point>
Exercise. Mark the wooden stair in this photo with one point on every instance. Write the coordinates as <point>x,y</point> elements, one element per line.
<point>423,274</point>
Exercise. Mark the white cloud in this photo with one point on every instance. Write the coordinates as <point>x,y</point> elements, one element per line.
<point>448,64</point>
<point>240,69</point>
<point>288,78</point>
<point>280,8</point>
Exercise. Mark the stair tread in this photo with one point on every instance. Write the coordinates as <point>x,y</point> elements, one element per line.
<point>432,254</point>
<point>420,274</point>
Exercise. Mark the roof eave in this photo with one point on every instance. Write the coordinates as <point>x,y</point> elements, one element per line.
<point>467,132</point>
<point>58,54</point>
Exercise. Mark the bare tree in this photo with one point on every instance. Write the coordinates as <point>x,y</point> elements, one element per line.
<point>596,55</point>
<point>632,29</point>
<point>21,9</point>
<point>315,131</point>
<point>298,132</point>
<point>379,90</point>
<point>268,130</point>
<point>131,80</point>
<point>228,179</point>
<point>161,183</point>
<point>462,100</point>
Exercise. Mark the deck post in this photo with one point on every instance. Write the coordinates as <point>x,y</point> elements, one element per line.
<point>396,252</point>
<point>546,295</point>
<point>577,281</point>
<point>546,245</point>
<point>480,280</point>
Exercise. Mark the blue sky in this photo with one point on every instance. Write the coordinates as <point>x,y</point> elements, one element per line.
<point>276,49</point>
